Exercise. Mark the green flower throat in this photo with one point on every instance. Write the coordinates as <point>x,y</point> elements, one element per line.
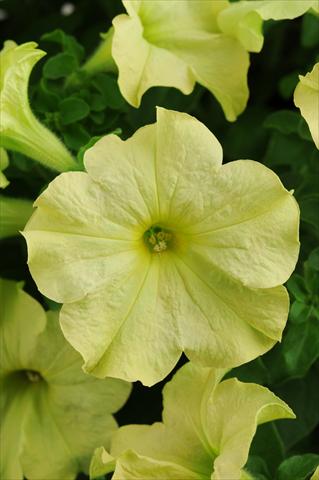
<point>157,239</point>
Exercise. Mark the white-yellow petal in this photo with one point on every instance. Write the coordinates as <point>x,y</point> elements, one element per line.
<point>306,98</point>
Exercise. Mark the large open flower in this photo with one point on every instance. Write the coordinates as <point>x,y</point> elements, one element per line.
<point>206,433</point>
<point>160,249</point>
<point>306,98</point>
<point>53,415</point>
<point>20,130</point>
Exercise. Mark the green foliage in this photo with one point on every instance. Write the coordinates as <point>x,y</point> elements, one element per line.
<point>271,130</point>
<point>298,467</point>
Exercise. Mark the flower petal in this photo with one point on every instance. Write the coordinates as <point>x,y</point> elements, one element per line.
<point>76,233</point>
<point>207,428</point>
<point>187,156</point>
<point>143,65</point>
<point>16,306</point>
<point>220,64</point>
<point>227,324</point>
<point>253,235</point>
<point>128,329</point>
<point>244,19</point>
<point>126,171</point>
<point>132,466</point>
<point>159,18</point>
<point>234,411</point>
<point>306,97</point>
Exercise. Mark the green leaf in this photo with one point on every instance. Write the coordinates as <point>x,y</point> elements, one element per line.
<point>285,121</point>
<point>298,467</point>
<point>98,117</point>
<point>310,31</point>
<point>288,84</point>
<point>309,208</point>
<point>302,395</point>
<point>68,43</point>
<point>313,259</point>
<point>108,87</point>
<point>296,287</point>
<point>257,467</point>
<point>287,150</point>
<point>59,66</point>
<point>300,347</point>
<point>46,99</point>
<point>299,312</point>
<point>268,444</point>
<point>72,110</point>
<point>75,136</point>
<point>254,371</point>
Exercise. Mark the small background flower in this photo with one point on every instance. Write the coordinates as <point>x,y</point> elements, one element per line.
<point>52,414</point>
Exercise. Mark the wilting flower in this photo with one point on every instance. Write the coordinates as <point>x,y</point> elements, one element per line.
<point>19,128</point>
<point>52,414</point>
<point>159,249</point>
<point>175,44</point>
<point>14,214</point>
<point>207,429</point>
<point>306,98</point>
<point>244,19</point>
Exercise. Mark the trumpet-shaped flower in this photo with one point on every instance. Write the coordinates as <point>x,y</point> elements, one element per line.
<point>244,19</point>
<point>52,414</point>
<point>207,429</point>
<point>306,98</point>
<point>157,249</point>
<point>14,214</point>
<point>175,44</point>
<point>20,130</point>
<point>181,42</point>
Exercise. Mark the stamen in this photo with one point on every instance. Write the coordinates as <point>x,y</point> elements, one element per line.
<point>33,376</point>
<point>157,239</point>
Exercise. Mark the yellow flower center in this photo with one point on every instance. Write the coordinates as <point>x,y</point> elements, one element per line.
<point>157,239</point>
<point>33,376</point>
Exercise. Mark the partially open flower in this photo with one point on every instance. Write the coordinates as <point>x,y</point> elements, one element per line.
<point>20,130</point>
<point>175,44</point>
<point>306,98</point>
<point>206,433</point>
<point>244,19</point>
<point>52,414</point>
<point>160,249</point>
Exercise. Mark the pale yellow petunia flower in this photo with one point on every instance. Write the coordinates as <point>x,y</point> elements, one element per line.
<point>158,248</point>
<point>306,98</point>
<point>52,414</point>
<point>177,43</point>
<point>244,19</point>
<point>207,429</point>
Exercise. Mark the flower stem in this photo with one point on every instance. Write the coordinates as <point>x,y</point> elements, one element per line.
<point>101,60</point>
<point>14,214</point>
